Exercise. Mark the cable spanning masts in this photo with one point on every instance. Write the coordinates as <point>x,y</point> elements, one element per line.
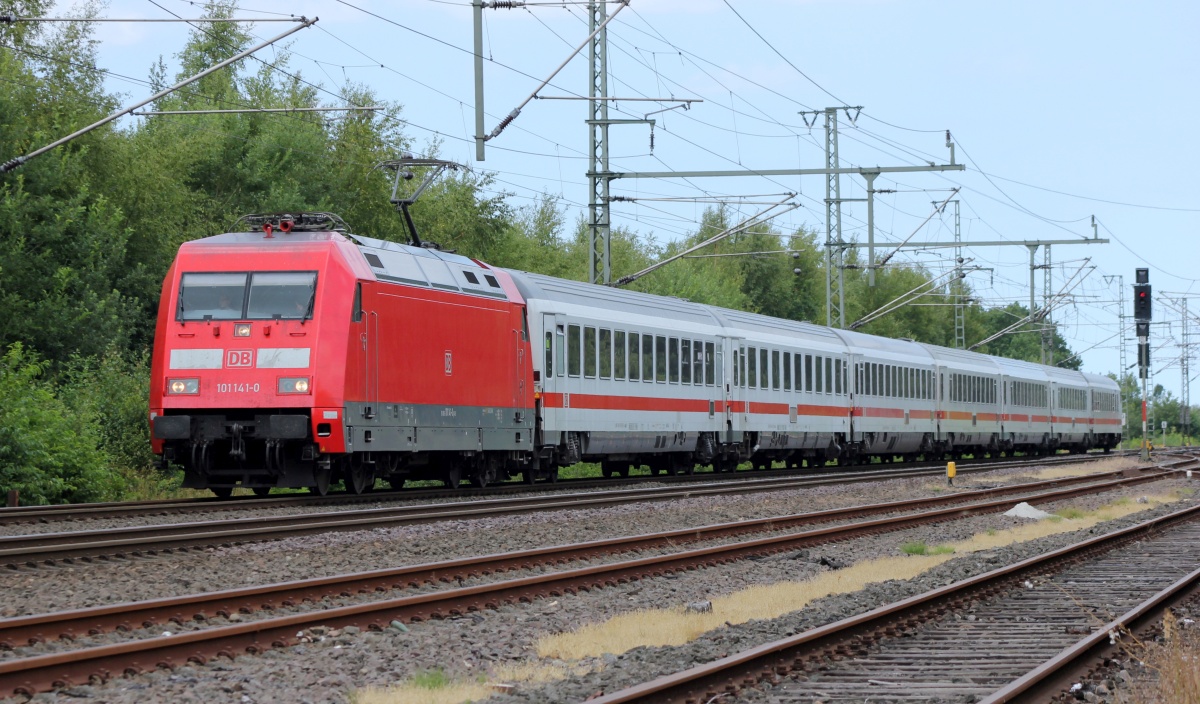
<point>17,161</point>
<point>1042,313</point>
<point>756,219</point>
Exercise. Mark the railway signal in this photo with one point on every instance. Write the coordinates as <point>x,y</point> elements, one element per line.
<point>1141,315</point>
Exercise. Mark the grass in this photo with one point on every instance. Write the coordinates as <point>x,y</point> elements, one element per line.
<point>1170,663</point>
<point>920,548</point>
<point>436,687</point>
<point>1074,514</point>
<point>426,687</point>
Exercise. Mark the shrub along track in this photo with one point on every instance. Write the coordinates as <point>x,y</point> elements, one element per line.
<point>43,672</point>
<point>139,541</point>
<point>167,507</point>
<point>1019,641</point>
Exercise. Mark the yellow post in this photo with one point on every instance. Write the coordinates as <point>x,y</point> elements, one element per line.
<point>951,470</point>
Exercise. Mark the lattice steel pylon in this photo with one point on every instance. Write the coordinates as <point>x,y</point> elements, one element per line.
<point>599,179</point>
<point>960,303</point>
<point>1185,396</point>
<point>1047,326</point>
<point>835,299</point>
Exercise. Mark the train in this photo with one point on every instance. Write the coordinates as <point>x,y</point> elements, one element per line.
<point>293,353</point>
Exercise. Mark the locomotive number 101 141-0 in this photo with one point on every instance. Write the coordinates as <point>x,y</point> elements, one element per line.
<point>237,388</point>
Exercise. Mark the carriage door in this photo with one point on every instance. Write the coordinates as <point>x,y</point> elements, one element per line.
<point>521,399</point>
<point>552,362</point>
<point>732,388</point>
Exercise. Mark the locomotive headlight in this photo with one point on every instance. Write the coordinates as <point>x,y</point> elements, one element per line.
<point>183,386</point>
<point>293,385</point>
<point>241,330</point>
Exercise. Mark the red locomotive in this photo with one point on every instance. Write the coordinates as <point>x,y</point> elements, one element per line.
<point>283,360</point>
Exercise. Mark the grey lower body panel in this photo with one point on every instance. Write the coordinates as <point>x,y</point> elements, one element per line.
<point>395,427</point>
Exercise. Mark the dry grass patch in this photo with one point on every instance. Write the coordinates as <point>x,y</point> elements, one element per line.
<point>1075,519</point>
<point>658,627</point>
<point>1172,666</point>
<point>676,626</point>
<point>1109,464</point>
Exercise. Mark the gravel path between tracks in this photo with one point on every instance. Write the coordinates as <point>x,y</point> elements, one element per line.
<point>329,669</point>
<point>107,581</point>
<point>248,510</point>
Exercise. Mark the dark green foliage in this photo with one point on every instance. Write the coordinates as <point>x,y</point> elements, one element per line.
<point>49,452</point>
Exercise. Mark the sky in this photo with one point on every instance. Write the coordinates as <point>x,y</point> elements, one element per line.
<point>1060,111</point>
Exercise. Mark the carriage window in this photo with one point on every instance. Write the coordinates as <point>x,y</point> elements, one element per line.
<point>606,354</point>
<point>635,357</point>
<point>549,354</point>
<point>774,369</point>
<point>808,373</point>
<point>709,365</point>
<point>819,387</point>
<point>673,361</point>
<point>589,352</point>
<point>660,359</point>
<point>762,369</point>
<point>829,375</point>
<point>685,356</point>
<point>787,371</point>
<point>752,369</point>
<point>574,340</point>
<point>648,358</point>
<point>619,348</point>
<point>737,367</point>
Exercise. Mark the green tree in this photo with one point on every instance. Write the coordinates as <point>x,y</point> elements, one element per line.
<point>48,452</point>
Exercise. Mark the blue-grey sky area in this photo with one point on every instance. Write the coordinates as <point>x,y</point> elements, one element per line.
<point>1059,110</point>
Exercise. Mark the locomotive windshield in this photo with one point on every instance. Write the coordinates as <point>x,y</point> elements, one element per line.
<point>287,295</point>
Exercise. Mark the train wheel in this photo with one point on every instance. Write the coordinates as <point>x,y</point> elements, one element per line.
<point>222,492</point>
<point>607,469</point>
<point>623,470</point>
<point>453,476</point>
<point>552,476</point>
<point>321,476</point>
<point>262,490</point>
<point>358,477</point>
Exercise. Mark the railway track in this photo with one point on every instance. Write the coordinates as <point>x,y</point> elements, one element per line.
<point>137,541</point>
<point>43,672</point>
<point>1010,634</point>
<point>128,509</point>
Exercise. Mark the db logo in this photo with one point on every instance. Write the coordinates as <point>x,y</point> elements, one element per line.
<point>239,358</point>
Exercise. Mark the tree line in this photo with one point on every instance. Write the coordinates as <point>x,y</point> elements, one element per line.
<point>88,230</point>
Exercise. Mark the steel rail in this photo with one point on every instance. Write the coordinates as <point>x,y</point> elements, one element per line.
<point>729,674</point>
<point>124,509</point>
<point>39,673</point>
<point>39,548</point>
<point>72,624</point>
<point>1056,675</point>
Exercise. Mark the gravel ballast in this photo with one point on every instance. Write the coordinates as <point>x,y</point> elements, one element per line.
<point>327,670</point>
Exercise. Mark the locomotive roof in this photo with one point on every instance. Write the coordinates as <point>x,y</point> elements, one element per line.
<point>260,238</point>
<point>421,266</point>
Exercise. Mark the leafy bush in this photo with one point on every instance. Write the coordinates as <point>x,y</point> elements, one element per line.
<point>48,451</point>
